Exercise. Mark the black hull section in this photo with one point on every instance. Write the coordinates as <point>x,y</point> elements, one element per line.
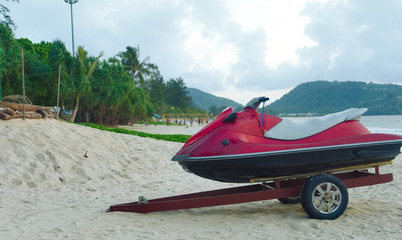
<point>243,167</point>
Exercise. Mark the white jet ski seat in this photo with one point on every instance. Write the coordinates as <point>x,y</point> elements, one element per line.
<point>291,130</point>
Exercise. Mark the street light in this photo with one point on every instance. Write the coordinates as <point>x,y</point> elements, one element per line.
<point>71,2</point>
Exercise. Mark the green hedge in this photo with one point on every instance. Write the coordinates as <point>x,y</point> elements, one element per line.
<point>167,137</point>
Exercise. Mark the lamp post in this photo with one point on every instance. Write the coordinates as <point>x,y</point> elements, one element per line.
<point>71,2</point>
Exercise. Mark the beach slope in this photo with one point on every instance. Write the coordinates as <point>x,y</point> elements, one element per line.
<point>58,179</point>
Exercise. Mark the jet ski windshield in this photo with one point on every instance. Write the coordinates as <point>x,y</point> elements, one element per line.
<point>255,102</point>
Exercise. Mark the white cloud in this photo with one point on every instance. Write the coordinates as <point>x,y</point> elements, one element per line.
<point>208,52</point>
<point>282,23</point>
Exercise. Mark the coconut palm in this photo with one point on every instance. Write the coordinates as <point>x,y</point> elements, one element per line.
<point>84,70</point>
<point>131,62</point>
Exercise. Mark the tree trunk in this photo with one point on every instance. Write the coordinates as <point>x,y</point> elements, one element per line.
<point>134,72</point>
<point>61,112</point>
<point>77,101</point>
<point>19,107</point>
<point>102,114</point>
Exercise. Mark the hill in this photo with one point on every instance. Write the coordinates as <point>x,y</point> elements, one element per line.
<point>206,101</point>
<point>323,97</point>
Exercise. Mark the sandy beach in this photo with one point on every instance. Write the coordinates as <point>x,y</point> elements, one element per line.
<point>164,129</point>
<point>58,179</point>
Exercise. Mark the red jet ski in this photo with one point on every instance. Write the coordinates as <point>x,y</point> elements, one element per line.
<point>248,146</point>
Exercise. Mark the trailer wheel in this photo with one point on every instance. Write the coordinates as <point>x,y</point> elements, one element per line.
<point>324,197</point>
<point>289,200</point>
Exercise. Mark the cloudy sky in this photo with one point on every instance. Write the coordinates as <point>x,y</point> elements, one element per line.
<point>233,48</point>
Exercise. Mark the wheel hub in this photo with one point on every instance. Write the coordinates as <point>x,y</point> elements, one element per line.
<point>326,198</point>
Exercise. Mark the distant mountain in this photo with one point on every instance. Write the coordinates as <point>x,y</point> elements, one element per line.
<point>323,97</point>
<point>205,100</point>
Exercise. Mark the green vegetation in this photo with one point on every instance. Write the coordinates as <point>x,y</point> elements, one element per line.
<point>323,97</point>
<point>157,123</point>
<point>120,90</point>
<point>168,137</point>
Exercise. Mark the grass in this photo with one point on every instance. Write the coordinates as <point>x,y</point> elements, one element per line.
<point>166,137</point>
<point>157,123</point>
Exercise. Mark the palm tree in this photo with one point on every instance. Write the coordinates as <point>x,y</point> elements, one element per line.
<point>4,11</point>
<point>131,62</point>
<point>86,66</point>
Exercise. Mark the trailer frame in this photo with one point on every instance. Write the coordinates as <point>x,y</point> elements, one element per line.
<point>275,189</point>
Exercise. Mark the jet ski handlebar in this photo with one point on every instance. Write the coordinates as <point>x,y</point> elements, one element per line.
<point>255,102</point>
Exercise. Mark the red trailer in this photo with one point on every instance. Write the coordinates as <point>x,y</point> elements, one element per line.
<point>323,196</point>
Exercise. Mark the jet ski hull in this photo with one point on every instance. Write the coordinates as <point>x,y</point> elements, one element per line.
<point>242,168</point>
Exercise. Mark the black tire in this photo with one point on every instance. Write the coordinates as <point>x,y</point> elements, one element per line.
<point>289,200</point>
<point>324,197</point>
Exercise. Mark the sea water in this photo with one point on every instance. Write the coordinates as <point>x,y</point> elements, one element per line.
<point>383,124</point>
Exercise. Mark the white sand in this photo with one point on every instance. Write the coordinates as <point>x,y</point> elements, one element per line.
<point>156,129</point>
<point>35,155</point>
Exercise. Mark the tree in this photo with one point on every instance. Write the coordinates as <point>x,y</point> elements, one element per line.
<point>4,11</point>
<point>132,63</point>
<point>110,85</point>
<point>155,87</point>
<point>216,110</point>
<point>176,94</point>
<point>10,56</point>
<point>83,72</point>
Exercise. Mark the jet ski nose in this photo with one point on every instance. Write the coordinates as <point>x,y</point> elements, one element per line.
<point>180,158</point>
